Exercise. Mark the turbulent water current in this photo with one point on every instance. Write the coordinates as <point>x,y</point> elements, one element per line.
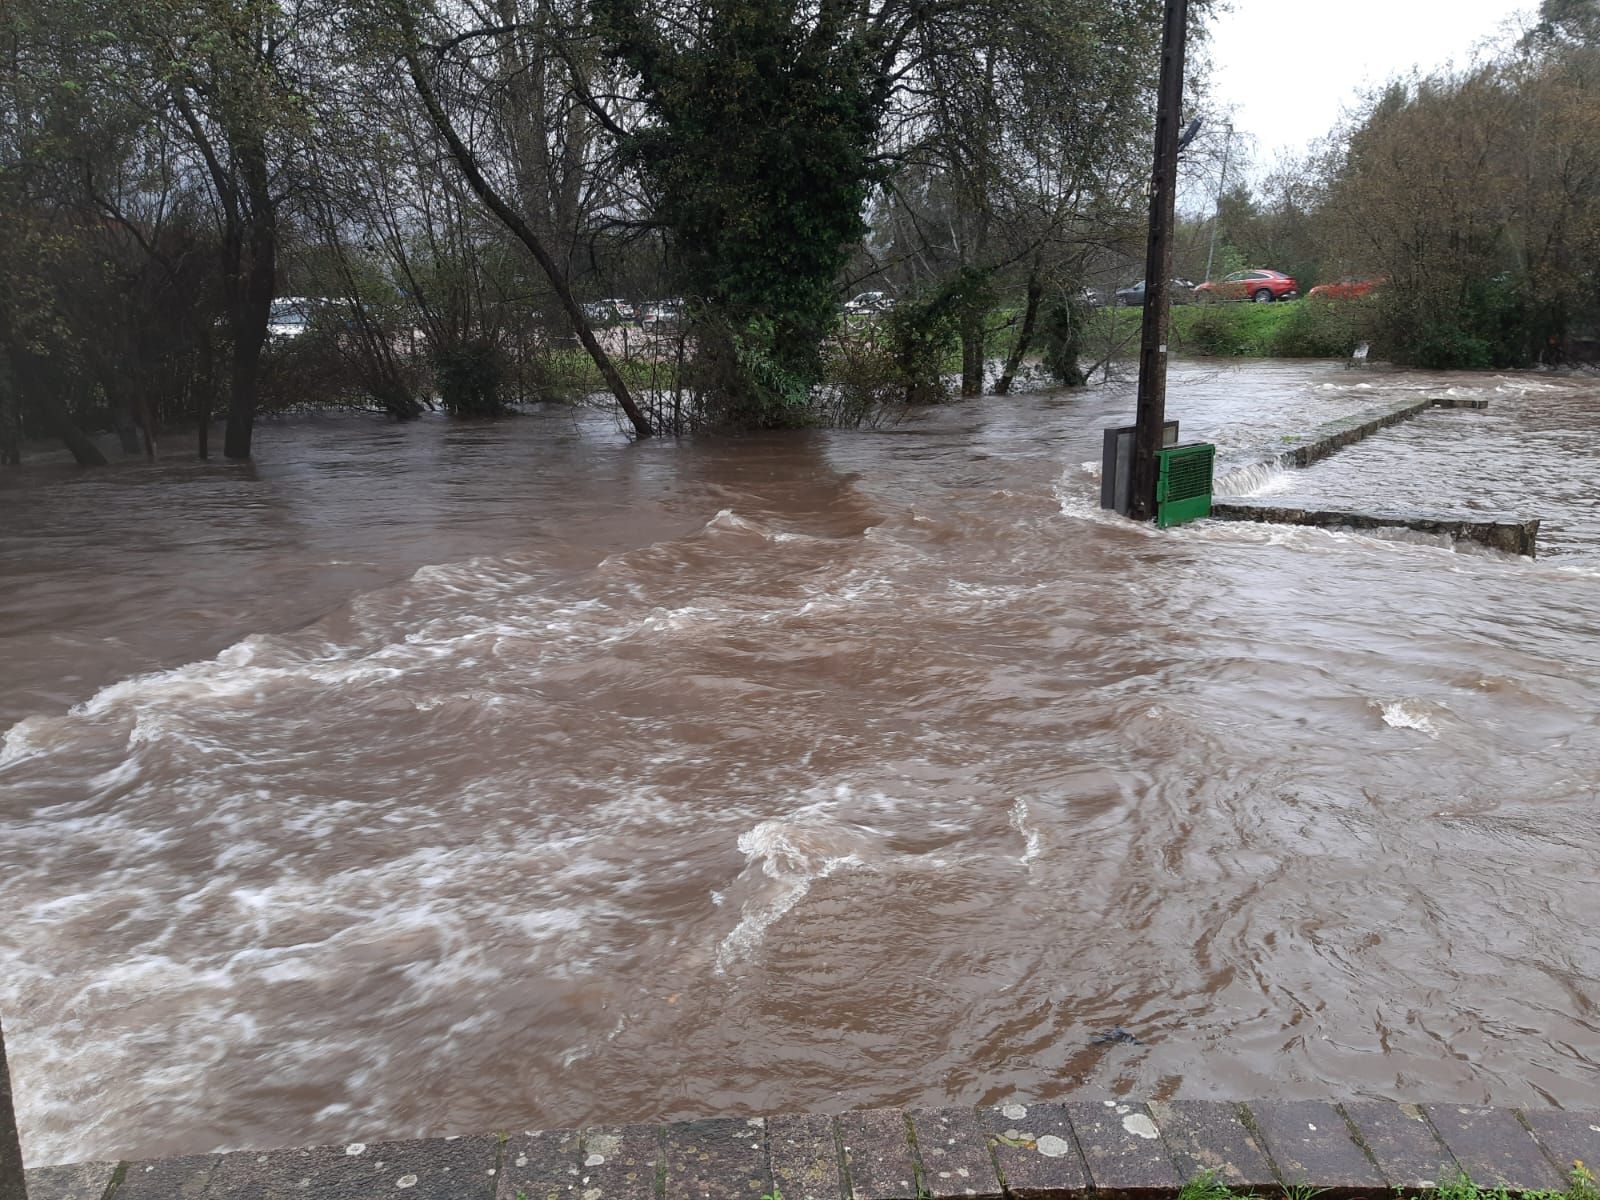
<point>452,777</point>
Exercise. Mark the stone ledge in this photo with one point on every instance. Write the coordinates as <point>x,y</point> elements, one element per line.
<point>1117,1149</point>
<point>1515,535</point>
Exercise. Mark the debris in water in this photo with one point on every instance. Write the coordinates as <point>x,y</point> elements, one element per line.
<point>1118,1036</point>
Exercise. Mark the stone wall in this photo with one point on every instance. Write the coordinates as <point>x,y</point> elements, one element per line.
<point>1120,1149</point>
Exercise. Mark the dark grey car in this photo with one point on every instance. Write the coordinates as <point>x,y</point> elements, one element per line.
<point>1133,297</point>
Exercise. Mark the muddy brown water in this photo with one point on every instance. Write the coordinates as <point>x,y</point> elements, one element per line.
<point>445,778</point>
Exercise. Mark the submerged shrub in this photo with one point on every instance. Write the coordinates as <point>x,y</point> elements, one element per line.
<point>1062,334</point>
<point>924,333</point>
<point>469,378</point>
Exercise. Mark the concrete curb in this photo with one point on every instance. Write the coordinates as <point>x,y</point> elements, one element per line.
<point>1113,1149</point>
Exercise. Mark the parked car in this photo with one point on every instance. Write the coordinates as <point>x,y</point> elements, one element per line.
<point>1345,289</point>
<point>1090,297</point>
<point>660,314</point>
<point>289,317</point>
<point>608,312</point>
<point>869,302</point>
<point>1260,286</point>
<point>1133,295</point>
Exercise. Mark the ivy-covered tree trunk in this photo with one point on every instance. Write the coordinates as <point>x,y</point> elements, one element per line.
<point>1030,319</point>
<point>1063,342</point>
<point>974,338</point>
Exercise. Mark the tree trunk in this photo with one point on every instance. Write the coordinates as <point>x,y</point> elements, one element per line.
<point>84,452</point>
<point>202,397</point>
<point>32,377</point>
<point>126,425</point>
<point>1030,318</point>
<point>10,424</point>
<point>244,378</point>
<point>254,284</point>
<point>973,336</point>
<point>146,416</point>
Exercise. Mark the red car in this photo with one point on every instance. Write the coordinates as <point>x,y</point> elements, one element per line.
<point>1345,289</point>
<point>1261,286</point>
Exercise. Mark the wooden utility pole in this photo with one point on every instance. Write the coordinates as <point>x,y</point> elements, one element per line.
<point>13,1186</point>
<point>1152,410</point>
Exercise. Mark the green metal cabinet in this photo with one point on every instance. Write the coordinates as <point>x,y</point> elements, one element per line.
<point>1183,487</point>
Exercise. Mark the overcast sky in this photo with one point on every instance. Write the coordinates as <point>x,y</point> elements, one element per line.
<point>1288,67</point>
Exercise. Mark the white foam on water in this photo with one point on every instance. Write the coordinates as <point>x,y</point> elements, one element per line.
<point>1251,480</point>
<point>785,857</point>
<point>1409,714</point>
<point>728,521</point>
<point>1032,842</point>
<point>1077,502</point>
<point>22,741</point>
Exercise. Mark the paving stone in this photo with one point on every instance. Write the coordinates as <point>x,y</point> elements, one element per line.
<point>1568,1138</point>
<point>631,1154</point>
<point>877,1155</point>
<point>1493,1148</point>
<point>539,1166</point>
<point>955,1154</point>
<point>716,1160</point>
<point>1035,1149</point>
<point>804,1154</point>
<point>80,1181</point>
<point>1311,1146</point>
<point>435,1169</point>
<point>1123,1148</point>
<point>1399,1137</point>
<point>169,1178</point>
<point>1209,1136</point>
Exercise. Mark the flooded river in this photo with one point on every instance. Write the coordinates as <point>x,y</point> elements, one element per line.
<point>453,777</point>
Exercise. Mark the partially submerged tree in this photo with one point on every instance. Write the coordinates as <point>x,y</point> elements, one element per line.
<point>427,57</point>
<point>756,134</point>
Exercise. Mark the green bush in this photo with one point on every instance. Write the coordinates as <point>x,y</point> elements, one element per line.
<point>864,378</point>
<point>924,333</point>
<point>469,378</point>
<point>1224,330</point>
<point>1062,335</point>
<point>1321,329</point>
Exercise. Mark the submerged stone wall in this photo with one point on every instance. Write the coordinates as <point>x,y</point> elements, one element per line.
<point>1323,440</point>
<point>1512,535</point>
<point>1120,1149</point>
